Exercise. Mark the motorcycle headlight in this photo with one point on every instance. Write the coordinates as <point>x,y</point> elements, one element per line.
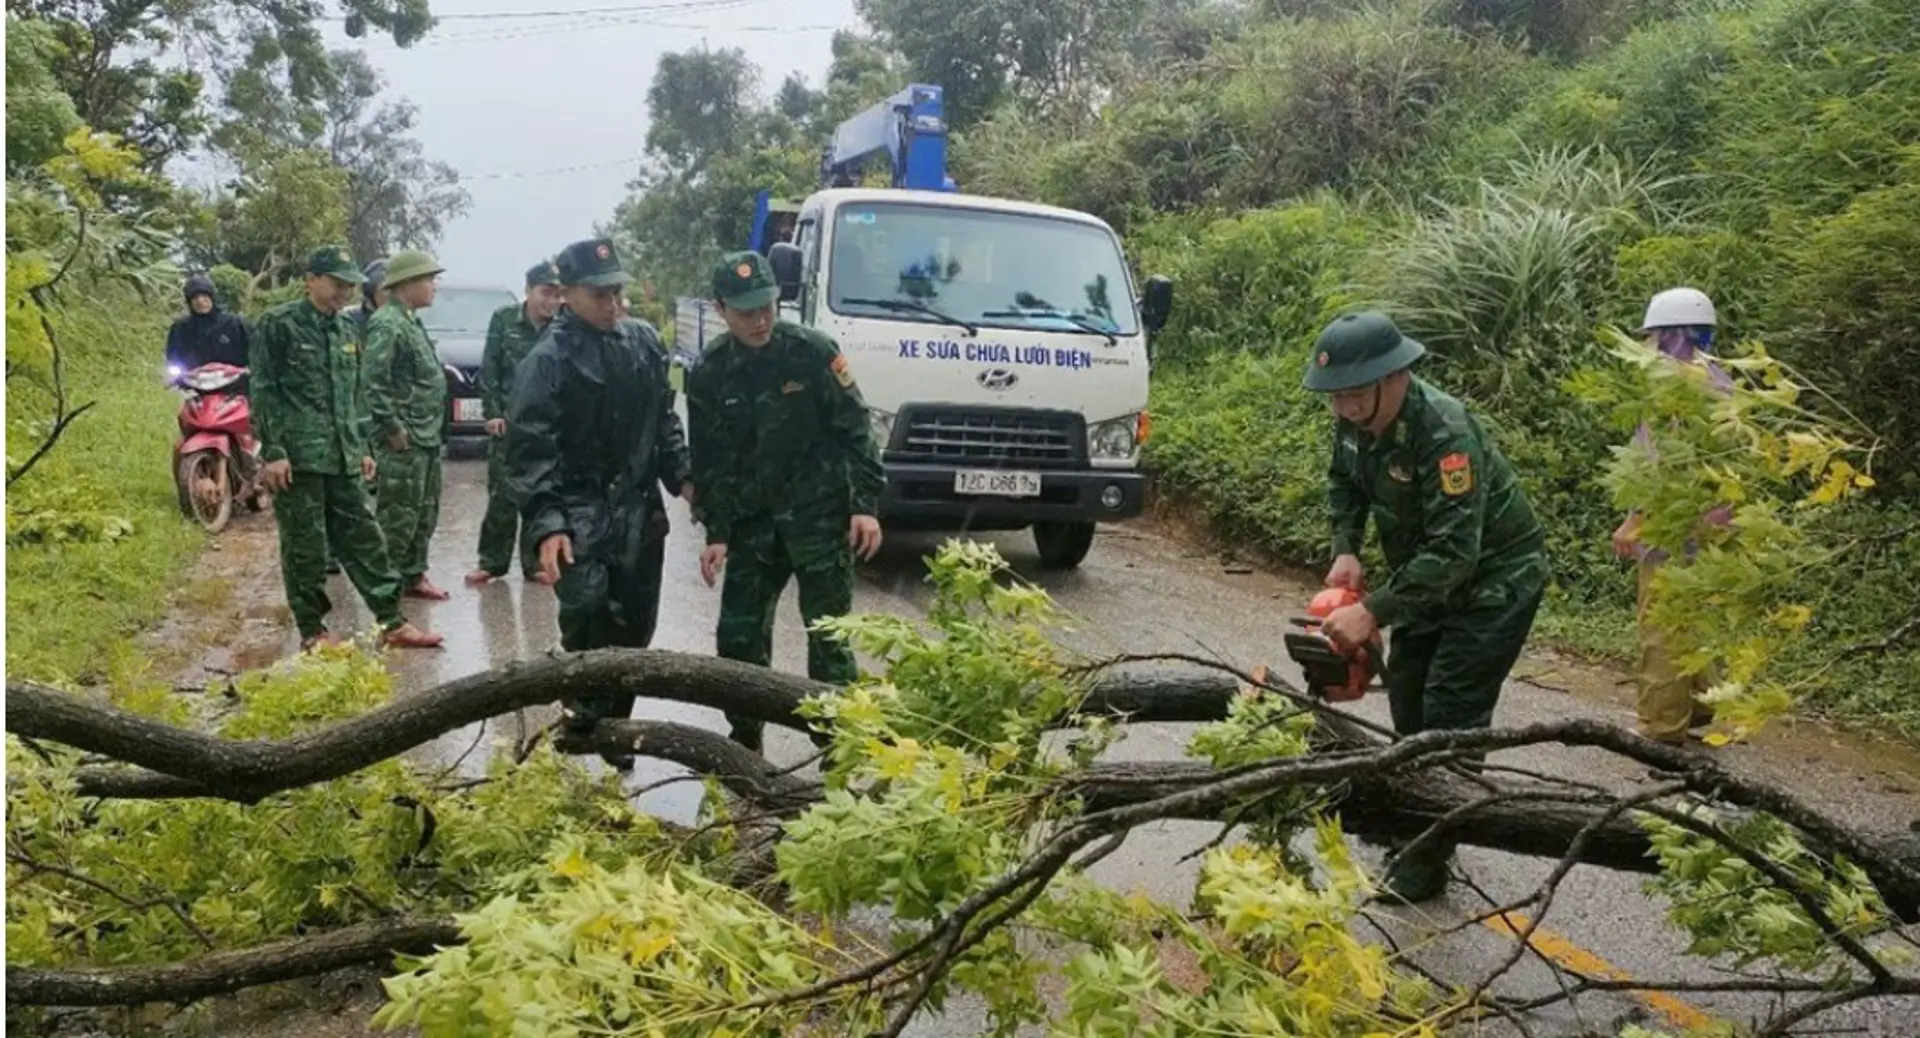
<point>881,423</point>
<point>1113,440</point>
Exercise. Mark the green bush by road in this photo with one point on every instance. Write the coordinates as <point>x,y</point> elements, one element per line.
<point>1502,201</point>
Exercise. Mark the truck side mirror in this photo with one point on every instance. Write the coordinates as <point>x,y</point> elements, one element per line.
<point>785,259</point>
<point>1156,304</point>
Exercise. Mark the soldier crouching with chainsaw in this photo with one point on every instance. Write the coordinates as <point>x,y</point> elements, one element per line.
<point>1466,557</point>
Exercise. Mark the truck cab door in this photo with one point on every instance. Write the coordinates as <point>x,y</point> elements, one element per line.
<point>807,238</point>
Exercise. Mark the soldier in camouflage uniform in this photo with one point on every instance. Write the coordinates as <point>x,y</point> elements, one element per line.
<point>407,398</point>
<point>372,298</point>
<point>309,413</point>
<point>511,335</point>
<point>789,478</point>
<point>1467,559</point>
<point>592,437</point>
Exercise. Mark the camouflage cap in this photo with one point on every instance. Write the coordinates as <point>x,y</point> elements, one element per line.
<point>591,262</point>
<point>336,262</point>
<point>543,273</point>
<point>742,281</point>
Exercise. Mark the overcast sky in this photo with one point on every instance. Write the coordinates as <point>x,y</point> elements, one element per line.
<point>544,117</point>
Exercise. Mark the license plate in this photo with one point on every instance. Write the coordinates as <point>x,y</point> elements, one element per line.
<point>468,409</point>
<point>996,481</point>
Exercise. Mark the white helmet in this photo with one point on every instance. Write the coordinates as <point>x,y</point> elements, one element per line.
<point>1679,308</point>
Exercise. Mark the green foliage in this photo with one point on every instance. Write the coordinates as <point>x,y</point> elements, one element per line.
<point>132,69</point>
<point>1703,149</point>
<point>220,874</point>
<point>932,797</point>
<point>1853,300</point>
<point>39,113</point>
<point>1732,909</point>
<point>1727,480</point>
<point>1262,282</point>
<point>93,529</point>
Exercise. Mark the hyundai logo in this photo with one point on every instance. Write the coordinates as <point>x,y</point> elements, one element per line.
<point>997,378</point>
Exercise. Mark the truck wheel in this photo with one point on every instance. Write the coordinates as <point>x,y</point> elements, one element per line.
<point>1062,545</point>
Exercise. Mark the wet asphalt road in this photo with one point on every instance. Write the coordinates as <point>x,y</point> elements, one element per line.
<point>1139,592</point>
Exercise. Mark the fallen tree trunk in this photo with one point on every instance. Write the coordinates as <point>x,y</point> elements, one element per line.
<point>1532,819</point>
<point>1386,805</point>
<point>224,972</point>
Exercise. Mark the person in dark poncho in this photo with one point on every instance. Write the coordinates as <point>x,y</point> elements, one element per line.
<point>206,334</point>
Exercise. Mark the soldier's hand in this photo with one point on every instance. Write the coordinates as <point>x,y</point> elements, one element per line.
<point>712,560</point>
<point>277,476</point>
<point>555,551</point>
<point>863,533</point>
<point>398,440</point>
<point>496,427</point>
<point>368,468</point>
<point>1350,626</point>
<point>1626,537</point>
<point>1347,573</point>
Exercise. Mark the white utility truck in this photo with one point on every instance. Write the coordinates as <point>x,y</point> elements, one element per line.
<point>1001,346</point>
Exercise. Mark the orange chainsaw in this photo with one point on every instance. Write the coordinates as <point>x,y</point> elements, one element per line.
<point>1333,675</point>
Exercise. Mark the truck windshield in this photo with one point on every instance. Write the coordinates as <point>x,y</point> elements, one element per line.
<point>1008,270</point>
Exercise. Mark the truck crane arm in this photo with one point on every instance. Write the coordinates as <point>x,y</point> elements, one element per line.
<point>908,130</point>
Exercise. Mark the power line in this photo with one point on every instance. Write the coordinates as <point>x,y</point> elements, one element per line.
<point>679,5</point>
<point>594,24</point>
<point>522,175</point>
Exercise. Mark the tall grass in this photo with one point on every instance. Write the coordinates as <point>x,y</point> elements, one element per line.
<point>95,536</point>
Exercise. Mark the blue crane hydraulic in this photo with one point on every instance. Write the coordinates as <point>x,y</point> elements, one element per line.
<point>908,130</point>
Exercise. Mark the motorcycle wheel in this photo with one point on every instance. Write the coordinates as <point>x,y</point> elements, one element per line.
<point>204,490</point>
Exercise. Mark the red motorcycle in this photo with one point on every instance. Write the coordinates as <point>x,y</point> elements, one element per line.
<point>218,459</point>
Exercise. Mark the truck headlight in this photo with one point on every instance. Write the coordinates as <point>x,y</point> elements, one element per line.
<point>881,423</point>
<point>1114,440</point>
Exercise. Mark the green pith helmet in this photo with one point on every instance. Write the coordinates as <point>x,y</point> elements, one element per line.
<point>407,265</point>
<point>1358,350</point>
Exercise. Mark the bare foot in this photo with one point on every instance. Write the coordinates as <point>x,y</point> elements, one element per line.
<point>324,638</point>
<point>479,578</point>
<point>424,588</point>
<point>407,636</point>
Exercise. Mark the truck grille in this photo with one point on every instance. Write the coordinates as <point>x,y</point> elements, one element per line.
<point>994,436</point>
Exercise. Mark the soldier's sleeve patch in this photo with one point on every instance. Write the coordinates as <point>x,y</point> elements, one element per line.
<point>1456,474</point>
<point>840,372</point>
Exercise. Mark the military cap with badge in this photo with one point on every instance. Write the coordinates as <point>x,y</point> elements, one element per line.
<point>743,281</point>
<point>336,262</point>
<point>593,262</point>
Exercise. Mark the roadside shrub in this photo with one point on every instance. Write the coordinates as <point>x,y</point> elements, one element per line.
<point>1508,286</point>
<point>1261,282</point>
<point>1853,302</point>
<point>1357,101</point>
<point>1241,440</point>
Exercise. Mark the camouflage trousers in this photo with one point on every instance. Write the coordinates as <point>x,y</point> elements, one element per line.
<point>610,598</point>
<point>761,558</point>
<point>408,506</point>
<point>1447,676</point>
<point>318,511</point>
<point>502,526</point>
